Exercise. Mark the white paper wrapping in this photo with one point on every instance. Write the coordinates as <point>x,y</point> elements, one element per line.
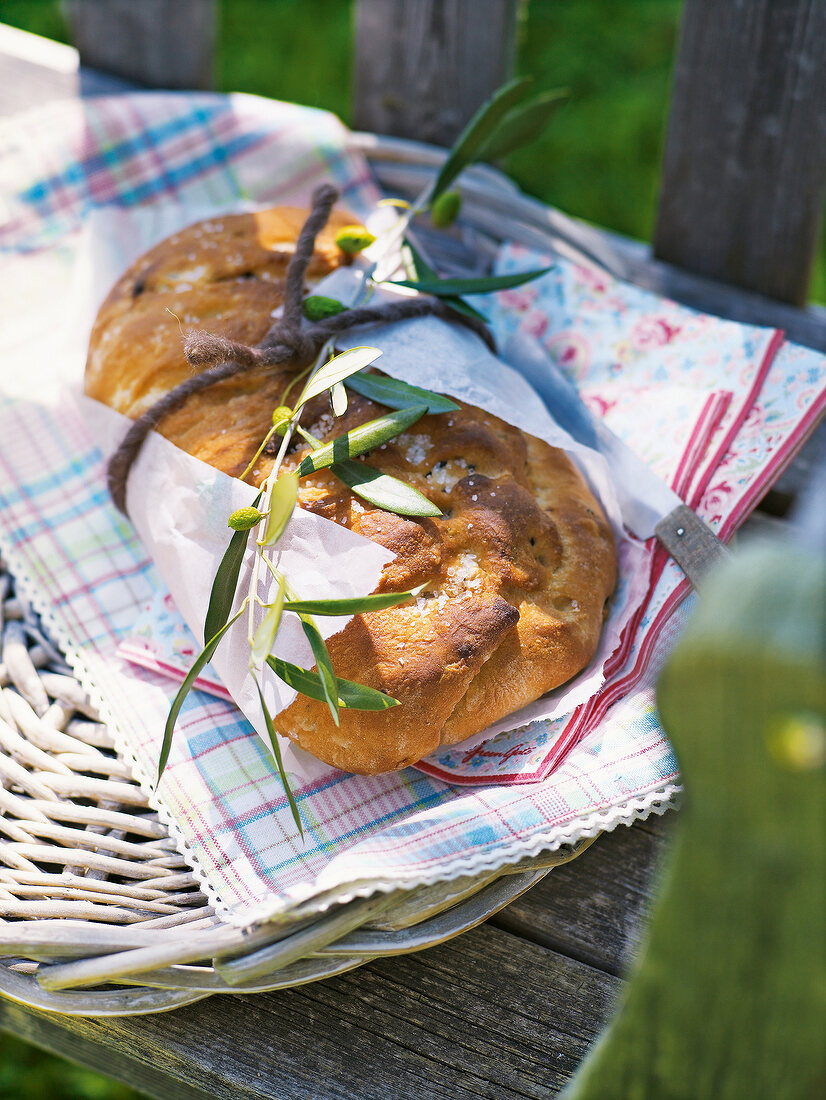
<point>179,505</point>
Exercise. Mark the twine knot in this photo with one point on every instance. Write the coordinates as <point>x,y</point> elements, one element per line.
<point>289,338</point>
<point>301,343</point>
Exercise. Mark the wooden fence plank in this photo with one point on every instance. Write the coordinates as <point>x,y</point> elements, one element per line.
<point>158,43</point>
<point>422,67</point>
<point>745,158</point>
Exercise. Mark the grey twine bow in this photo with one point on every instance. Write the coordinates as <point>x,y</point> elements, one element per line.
<point>288,339</point>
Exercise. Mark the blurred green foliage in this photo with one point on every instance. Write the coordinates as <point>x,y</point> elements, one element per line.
<point>38,16</point>
<point>27,1073</point>
<point>297,50</point>
<point>599,160</point>
<point>615,59</point>
<point>600,157</point>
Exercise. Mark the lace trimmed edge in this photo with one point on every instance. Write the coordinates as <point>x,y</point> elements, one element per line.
<point>656,801</point>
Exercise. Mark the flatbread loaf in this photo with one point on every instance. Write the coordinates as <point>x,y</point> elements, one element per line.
<point>517,570</point>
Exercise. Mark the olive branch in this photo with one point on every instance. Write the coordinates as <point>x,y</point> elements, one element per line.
<point>505,122</point>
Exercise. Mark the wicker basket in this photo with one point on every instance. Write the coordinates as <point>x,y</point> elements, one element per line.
<point>100,914</point>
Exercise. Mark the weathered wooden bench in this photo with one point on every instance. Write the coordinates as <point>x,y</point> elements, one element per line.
<point>510,1008</point>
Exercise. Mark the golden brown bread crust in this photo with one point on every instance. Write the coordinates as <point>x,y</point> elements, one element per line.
<point>517,569</point>
<point>226,276</point>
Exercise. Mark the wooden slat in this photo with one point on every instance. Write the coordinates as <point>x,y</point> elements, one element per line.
<point>486,1016</point>
<point>159,43</point>
<point>745,160</point>
<point>594,909</point>
<point>422,67</point>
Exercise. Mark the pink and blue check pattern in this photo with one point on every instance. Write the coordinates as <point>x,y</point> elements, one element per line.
<point>90,576</point>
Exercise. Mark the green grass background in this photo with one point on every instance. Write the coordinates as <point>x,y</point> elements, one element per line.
<point>600,160</point>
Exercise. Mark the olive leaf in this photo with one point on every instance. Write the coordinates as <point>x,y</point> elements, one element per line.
<point>282,503</point>
<point>361,439</point>
<point>348,605</point>
<point>338,398</point>
<point>383,491</point>
<point>396,394</point>
<point>336,370</point>
<point>314,444</point>
<point>485,284</point>
<point>351,696</point>
<point>461,306</point>
<point>226,581</point>
<point>478,131</point>
<point>326,674</point>
<point>200,662</point>
<point>522,125</point>
<point>264,638</point>
<point>424,271</point>
<point>276,751</point>
<point>421,267</point>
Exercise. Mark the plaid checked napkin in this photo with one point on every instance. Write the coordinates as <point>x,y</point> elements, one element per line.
<point>728,406</point>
